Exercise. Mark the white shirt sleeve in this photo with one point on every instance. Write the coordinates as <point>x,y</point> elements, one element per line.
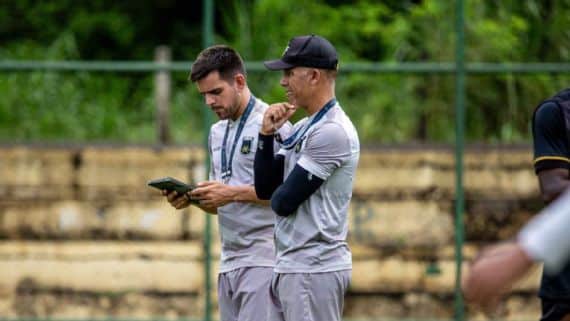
<point>546,237</point>
<point>326,149</point>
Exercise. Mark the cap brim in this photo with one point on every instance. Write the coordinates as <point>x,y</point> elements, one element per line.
<point>277,65</point>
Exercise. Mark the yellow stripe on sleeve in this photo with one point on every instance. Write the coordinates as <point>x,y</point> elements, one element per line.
<point>558,158</point>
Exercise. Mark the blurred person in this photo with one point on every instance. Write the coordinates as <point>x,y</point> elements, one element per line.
<point>550,129</point>
<point>544,239</point>
<point>245,222</point>
<point>309,184</point>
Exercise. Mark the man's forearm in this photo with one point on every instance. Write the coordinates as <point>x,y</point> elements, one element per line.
<point>207,209</point>
<point>494,272</point>
<point>268,170</point>
<point>246,194</point>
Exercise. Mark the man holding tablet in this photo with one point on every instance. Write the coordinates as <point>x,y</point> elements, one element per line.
<point>245,222</point>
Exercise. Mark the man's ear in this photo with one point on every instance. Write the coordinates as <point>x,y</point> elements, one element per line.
<point>315,75</point>
<point>240,81</point>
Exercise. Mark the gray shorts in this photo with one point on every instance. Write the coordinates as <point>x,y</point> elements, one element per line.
<point>308,296</point>
<point>243,294</point>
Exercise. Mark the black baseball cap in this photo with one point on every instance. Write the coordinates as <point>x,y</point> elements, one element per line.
<point>306,51</point>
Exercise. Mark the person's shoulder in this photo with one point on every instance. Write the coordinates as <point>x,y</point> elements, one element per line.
<point>331,125</point>
<point>219,124</point>
<point>341,122</point>
<point>259,109</point>
<point>548,106</point>
<point>260,104</point>
<point>547,114</point>
<point>218,127</point>
<point>332,132</point>
<point>261,101</point>
<point>338,114</point>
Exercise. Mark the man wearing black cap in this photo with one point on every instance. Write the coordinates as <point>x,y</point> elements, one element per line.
<point>309,184</point>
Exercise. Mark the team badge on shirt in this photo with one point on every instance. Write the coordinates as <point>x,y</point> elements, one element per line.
<point>246,144</point>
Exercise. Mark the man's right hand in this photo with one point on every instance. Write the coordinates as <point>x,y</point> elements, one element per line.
<point>275,116</point>
<point>176,200</point>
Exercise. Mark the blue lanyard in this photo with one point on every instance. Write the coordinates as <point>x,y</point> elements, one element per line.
<point>290,142</point>
<point>227,167</point>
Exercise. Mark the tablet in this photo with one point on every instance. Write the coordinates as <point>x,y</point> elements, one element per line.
<point>170,184</point>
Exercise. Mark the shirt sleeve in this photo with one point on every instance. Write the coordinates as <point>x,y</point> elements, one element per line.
<point>326,149</point>
<point>545,238</point>
<point>550,138</point>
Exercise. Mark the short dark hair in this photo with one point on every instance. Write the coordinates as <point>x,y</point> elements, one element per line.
<point>221,58</point>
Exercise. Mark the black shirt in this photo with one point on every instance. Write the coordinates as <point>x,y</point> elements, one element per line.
<point>551,150</point>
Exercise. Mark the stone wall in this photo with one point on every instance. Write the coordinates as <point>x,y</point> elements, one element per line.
<point>83,236</point>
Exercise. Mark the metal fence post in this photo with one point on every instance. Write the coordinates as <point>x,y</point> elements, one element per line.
<point>162,94</point>
<point>208,40</point>
<point>459,150</point>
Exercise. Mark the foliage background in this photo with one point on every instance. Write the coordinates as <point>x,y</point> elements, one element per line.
<point>386,108</point>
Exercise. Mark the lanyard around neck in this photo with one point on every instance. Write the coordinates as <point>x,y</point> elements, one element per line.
<point>227,165</point>
<point>290,142</point>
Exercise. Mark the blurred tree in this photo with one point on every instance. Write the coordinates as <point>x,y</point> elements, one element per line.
<point>118,30</point>
<point>386,108</point>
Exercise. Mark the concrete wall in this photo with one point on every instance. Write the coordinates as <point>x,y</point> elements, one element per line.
<point>83,236</point>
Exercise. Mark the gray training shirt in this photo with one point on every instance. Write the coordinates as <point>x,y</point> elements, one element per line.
<point>313,239</point>
<point>246,229</point>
